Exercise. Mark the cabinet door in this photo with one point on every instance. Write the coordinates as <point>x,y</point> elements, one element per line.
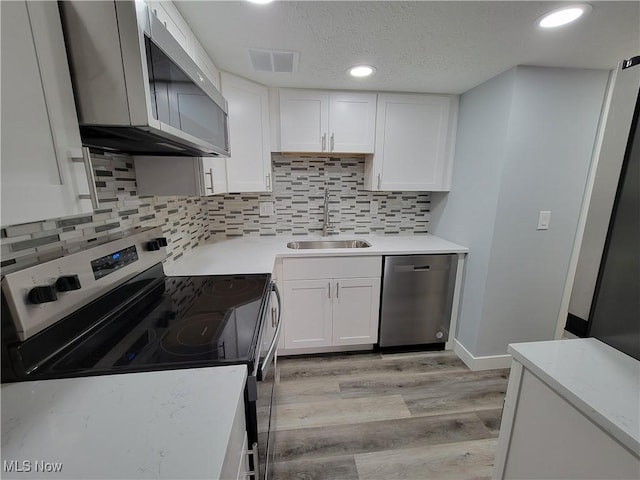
<point>249,167</point>
<point>168,176</point>
<point>355,311</point>
<point>414,143</point>
<point>304,119</point>
<point>307,304</point>
<point>352,122</point>
<point>214,175</point>
<point>40,134</point>
<point>183,176</point>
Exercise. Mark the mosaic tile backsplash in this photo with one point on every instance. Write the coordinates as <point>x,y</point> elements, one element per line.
<point>183,221</point>
<point>298,196</point>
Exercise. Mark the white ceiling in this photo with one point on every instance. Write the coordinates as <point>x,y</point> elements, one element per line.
<point>439,47</point>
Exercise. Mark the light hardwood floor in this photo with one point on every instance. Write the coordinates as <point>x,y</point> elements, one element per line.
<point>368,416</point>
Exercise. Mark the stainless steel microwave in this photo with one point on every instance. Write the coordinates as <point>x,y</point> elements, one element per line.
<point>137,91</point>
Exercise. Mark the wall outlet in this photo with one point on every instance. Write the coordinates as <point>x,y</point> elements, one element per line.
<point>266,209</point>
<point>544,218</point>
<point>373,207</point>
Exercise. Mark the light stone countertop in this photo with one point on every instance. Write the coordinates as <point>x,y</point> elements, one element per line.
<point>172,424</point>
<point>600,381</point>
<point>245,255</point>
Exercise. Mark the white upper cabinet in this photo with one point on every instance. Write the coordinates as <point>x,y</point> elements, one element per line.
<point>415,135</point>
<point>304,120</point>
<point>330,122</point>
<point>199,55</point>
<point>352,122</point>
<point>40,135</point>
<point>183,176</point>
<point>249,166</point>
<point>169,16</point>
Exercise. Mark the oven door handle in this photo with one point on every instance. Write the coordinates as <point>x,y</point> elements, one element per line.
<point>266,363</point>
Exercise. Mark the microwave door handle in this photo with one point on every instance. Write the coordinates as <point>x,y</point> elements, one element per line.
<point>264,368</point>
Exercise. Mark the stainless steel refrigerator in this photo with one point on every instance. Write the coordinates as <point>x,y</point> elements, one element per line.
<point>615,311</point>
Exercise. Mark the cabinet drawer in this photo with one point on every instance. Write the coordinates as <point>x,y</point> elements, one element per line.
<point>331,267</point>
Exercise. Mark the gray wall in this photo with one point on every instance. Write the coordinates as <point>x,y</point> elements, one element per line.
<point>513,292</point>
<point>468,212</point>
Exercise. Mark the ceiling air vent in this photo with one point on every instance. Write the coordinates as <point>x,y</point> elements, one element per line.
<point>279,61</point>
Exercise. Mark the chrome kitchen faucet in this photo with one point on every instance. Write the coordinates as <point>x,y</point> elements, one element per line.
<point>327,226</point>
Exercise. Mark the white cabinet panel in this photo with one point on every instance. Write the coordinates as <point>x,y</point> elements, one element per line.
<point>307,305</point>
<point>355,311</point>
<point>200,56</point>
<point>542,435</point>
<point>304,117</point>
<point>319,121</point>
<point>331,267</point>
<point>169,16</point>
<point>234,465</point>
<point>40,134</point>
<point>214,175</point>
<point>177,26</point>
<point>414,143</point>
<point>352,119</point>
<point>249,166</point>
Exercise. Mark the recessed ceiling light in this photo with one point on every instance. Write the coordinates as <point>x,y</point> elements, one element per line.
<point>260,2</point>
<point>361,71</point>
<point>564,15</point>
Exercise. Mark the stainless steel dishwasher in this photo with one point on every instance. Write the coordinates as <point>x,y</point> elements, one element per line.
<point>417,298</point>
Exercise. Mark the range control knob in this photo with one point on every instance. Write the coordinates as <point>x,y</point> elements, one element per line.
<point>68,283</point>
<point>42,294</point>
<point>162,241</point>
<point>152,246</point>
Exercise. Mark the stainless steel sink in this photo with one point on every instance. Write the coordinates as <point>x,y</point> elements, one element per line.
<point>316,244</point>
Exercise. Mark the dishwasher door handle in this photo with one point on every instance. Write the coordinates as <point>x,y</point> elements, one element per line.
<point>411,268</point>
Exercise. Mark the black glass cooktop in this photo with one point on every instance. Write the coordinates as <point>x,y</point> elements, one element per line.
<point>156,322</point>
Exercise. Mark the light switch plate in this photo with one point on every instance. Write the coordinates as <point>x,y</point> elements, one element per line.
<point>373,207</point>
<point>266,209</point>
<point>544,218</point>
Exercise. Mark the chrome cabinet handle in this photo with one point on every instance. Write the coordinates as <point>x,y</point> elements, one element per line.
<point>273,317</point>
<point>337,289</point>
<point>268,179</point>
<point>210,173</point>
<point>332,141</point>
<point>329,290</point>
<point>379,181</point>
<point>324,141</point>
<point>91,179</point>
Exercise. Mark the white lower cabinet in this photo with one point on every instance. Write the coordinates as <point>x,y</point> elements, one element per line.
<point>339,307</point>
<point>543,434</point>
<point>235,465</point>
<point>355,311</point>
<point>309,314</point>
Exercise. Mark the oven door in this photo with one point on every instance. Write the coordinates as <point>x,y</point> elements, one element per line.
<point>267,379</point>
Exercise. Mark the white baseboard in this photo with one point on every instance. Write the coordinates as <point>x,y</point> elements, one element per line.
<point>489,362</point>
